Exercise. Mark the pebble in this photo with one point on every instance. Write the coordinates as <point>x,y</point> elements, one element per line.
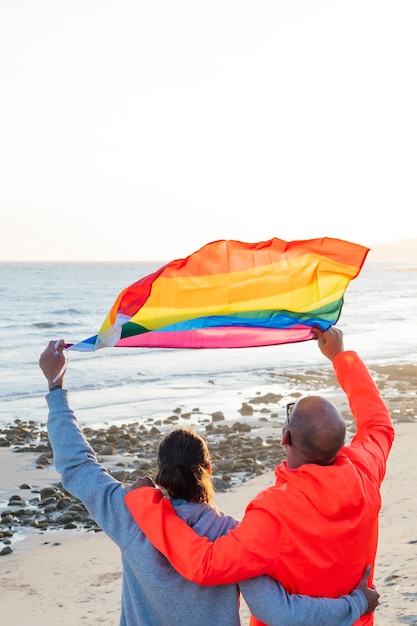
<point>236,455</point>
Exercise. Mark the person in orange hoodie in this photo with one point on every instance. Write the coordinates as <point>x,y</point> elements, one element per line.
<point>316,528</point>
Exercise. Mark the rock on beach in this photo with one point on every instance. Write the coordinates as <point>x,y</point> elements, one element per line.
<point>240,449</point>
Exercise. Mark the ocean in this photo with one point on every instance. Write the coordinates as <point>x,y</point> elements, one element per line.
<point>44,301</point>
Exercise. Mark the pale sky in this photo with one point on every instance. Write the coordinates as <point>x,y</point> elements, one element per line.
<point>141,130</point>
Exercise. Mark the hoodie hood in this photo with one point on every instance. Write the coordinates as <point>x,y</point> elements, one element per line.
<point>335,491</point>
<point>199,516</point>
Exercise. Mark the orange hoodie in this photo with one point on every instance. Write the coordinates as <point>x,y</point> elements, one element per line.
<point>314,530</point>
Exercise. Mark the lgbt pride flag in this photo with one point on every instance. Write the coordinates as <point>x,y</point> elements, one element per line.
<point>231,294</point>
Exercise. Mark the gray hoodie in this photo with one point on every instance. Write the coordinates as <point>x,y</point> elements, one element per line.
<point>153,593</point>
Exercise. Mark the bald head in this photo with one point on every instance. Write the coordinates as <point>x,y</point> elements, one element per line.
<point>317,429</point>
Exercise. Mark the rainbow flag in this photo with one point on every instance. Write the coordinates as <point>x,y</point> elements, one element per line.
<point>231,294</point>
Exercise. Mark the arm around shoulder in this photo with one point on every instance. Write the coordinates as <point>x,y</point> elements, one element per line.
<point>241,554</point>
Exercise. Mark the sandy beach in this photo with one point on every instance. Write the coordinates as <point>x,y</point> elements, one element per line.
<point>74,576</point>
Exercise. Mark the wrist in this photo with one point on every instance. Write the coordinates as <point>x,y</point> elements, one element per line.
<point>53,387</point>
<point>360,600</point>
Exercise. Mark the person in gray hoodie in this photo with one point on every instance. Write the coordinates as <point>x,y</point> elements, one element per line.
<point>153,593</point>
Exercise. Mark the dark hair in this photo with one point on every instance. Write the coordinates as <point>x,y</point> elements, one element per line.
<point>184,466</point>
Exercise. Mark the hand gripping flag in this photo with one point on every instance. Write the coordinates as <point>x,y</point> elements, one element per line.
<point>231,294</point>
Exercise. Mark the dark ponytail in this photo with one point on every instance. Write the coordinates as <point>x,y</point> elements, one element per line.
<point>184,466</point>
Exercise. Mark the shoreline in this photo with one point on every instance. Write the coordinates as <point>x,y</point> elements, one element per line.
<point>241,448</point>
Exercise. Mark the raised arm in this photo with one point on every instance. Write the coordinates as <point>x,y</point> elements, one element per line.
<point>372,417</point>
<point>375,432</point>
<point>74,458</point>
